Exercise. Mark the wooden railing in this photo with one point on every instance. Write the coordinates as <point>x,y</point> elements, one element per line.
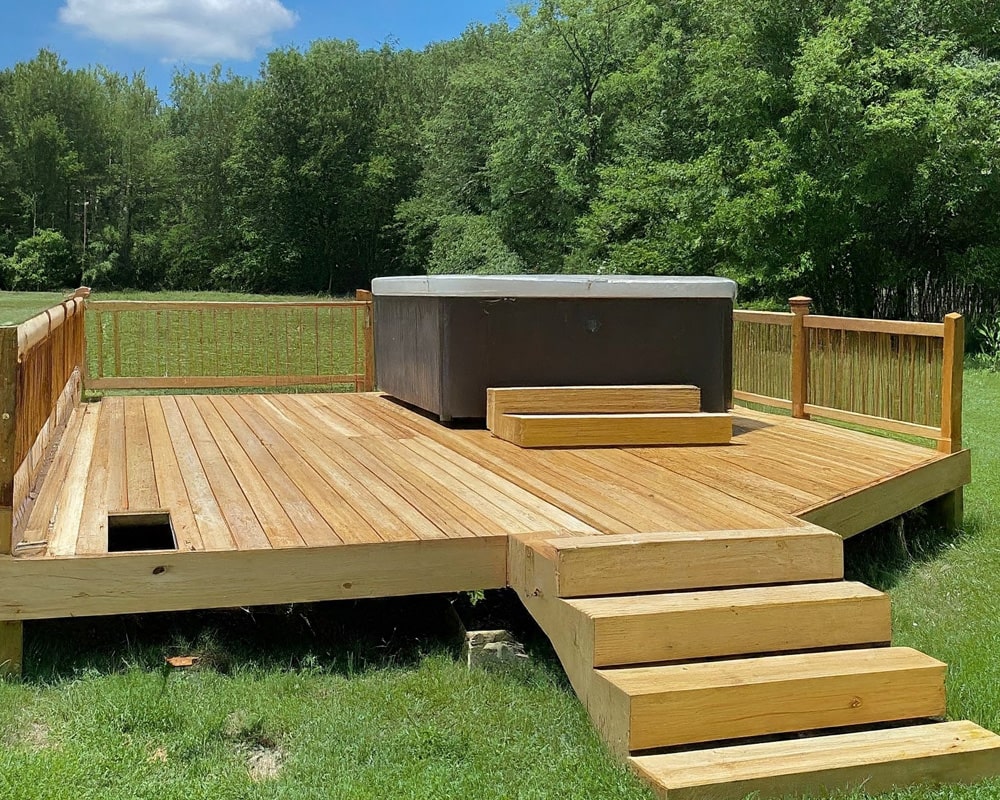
<point>40,374</point>
<point>207,345</point>
<point>904,377</point>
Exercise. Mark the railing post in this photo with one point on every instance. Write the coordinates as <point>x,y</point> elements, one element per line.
<point>948,511</point>
<point>951,384</point>
<point>800,356</point>
<point>365,296</point>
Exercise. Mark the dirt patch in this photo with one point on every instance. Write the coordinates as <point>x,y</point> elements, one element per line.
<point>36,735</point>
<point>31,734</point>
<point>264,763</point>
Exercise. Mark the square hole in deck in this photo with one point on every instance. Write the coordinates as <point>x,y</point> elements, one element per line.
<point>132,532</point>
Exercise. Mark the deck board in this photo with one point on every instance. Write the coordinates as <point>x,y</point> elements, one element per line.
<point>258,472</point>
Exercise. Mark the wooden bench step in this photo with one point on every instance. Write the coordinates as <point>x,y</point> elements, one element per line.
<point>582,566</point>
<point>591,400</point>
<point>612,430</point>
<point>879,760</point>
<point>690,625</point>
<point>664,706</point>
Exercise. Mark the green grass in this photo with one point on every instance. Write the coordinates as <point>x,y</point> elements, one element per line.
<point>16,307</point>
<point>370,700</point>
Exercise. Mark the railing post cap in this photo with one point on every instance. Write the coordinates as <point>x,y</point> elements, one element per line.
<point>799,304</point>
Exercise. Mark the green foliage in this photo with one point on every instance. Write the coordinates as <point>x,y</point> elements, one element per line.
<point>989,344</point>
<point>42,262</point>
<point>847,150</point>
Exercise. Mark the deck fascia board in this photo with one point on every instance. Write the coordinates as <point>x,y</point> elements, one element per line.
<point>77,586</point>
<point>865,507</point>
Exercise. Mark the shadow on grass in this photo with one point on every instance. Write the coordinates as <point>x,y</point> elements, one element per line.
<point>883,556</point>
<point>344,638</point>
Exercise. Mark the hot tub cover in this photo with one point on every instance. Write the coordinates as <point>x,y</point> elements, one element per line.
<point>596,286</point>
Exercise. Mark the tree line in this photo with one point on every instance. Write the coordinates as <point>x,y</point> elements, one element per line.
<point>849,149</point>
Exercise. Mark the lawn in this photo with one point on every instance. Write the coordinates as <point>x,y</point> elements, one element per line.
<point>16,307</point>
<point>370,699</point>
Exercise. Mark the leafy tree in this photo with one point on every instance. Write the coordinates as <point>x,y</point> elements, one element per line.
<point>43,262</point>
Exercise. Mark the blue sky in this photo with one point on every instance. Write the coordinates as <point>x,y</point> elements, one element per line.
<point>156,36</point>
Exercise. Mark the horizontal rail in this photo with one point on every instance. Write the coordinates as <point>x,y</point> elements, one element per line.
<point>763,317</point>
<point>164,345</point>
<point>221,382</point>
<point>898,376</point>
<point>932,329</point>
<point>41,326</point>
<point>871,421</point>
<point>762,400</point>
<point>208,305</point>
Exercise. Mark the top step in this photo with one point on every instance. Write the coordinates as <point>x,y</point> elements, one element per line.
<point>591,400</point>
<point>586,566</point>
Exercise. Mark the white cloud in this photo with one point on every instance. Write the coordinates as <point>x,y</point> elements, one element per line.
<point>199,30</point>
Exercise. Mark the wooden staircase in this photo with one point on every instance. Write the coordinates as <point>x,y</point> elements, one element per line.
<point>730,662</point>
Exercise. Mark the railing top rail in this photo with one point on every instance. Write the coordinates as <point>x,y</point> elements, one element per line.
<point>195,305</point>
<point>899,327</point>
<point>767,317</point>
<point>33,331</point>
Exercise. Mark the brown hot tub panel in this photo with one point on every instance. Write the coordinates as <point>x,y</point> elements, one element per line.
<point>441,341</point>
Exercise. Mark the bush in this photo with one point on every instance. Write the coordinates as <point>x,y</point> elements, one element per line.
<point>40,263</point>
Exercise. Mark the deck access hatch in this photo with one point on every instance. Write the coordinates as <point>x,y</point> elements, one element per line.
<point>130,531</point>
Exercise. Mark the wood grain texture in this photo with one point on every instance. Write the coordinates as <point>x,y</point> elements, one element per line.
<point>693,625</point>
<point>718,700</point>
<point>40,588</point>
<point>590,400</point>
<point>612,430</point>
<point>877,760</point>
<point>659,562</point>
<point>342,468</point>
<point>866,506</point>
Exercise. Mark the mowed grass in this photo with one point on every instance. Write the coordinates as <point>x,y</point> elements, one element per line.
<point>16,307</point>
<point>371,700</point>
<point>346,700</point>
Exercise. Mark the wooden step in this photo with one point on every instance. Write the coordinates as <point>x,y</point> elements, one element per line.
<point>648,628</point>
<point>879,760</point>
<point>612,430</point>
<point>591,400</point>
<point>664,706</point>
<point>559,565</point>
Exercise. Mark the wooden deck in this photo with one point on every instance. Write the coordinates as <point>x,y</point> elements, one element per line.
<point>324,496</point>
<point>252,472</point>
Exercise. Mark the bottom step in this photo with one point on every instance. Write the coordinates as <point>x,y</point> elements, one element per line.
<point>947,752</point>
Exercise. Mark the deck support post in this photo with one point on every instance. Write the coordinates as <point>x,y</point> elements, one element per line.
<point>948,511</point>
<point>11,647</point>
<point>800,356</point>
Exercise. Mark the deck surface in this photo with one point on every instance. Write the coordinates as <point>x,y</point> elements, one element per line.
<point>256,472</point>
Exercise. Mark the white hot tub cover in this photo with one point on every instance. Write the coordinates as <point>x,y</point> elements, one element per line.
<point>649,286</point>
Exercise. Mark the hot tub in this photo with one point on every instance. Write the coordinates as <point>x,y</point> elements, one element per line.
<point>442,340</point>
